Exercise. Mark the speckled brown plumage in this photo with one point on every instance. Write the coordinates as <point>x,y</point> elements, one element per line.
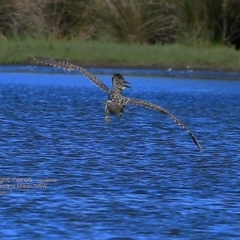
<point>116,102</point>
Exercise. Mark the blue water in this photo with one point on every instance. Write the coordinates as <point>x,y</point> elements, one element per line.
<point>68,175</point>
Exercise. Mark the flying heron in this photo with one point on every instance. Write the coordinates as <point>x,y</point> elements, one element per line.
<point>116,101</point>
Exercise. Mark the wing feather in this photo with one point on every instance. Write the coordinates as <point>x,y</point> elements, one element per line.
<point>71,67</point>
<point>149,105</point>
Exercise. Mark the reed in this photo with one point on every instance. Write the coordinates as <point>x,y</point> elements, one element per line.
<point>134,21</point>
<point>203,20</point>
<point>198,22</point>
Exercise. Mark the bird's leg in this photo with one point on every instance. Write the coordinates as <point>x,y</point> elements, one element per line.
<point>107,117</point>
<point>120,115</point>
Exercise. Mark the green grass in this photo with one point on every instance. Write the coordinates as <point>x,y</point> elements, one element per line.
<point>110,54</point>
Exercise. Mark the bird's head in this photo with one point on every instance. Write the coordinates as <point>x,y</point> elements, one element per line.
<point>119,82</point>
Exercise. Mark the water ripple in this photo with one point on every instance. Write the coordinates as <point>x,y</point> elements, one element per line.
<point>141,177</point>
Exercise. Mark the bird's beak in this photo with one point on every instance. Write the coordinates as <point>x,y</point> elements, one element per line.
<point>126,84</point>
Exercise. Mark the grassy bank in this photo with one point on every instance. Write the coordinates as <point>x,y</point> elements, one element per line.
<point>106,54</point>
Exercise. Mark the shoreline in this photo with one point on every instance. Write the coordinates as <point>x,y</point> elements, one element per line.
<point>120,55</point>
<point>112,65</point>
<point>154,67</point>
<point>136,71</point>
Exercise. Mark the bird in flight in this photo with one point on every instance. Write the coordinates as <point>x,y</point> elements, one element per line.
<point>116,101</point>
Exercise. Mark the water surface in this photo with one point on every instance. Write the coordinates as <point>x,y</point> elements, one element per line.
<point>141,177</point>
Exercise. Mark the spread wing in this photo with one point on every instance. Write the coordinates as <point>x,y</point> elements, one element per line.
<point>149,105</point>
<point>71,67</point>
